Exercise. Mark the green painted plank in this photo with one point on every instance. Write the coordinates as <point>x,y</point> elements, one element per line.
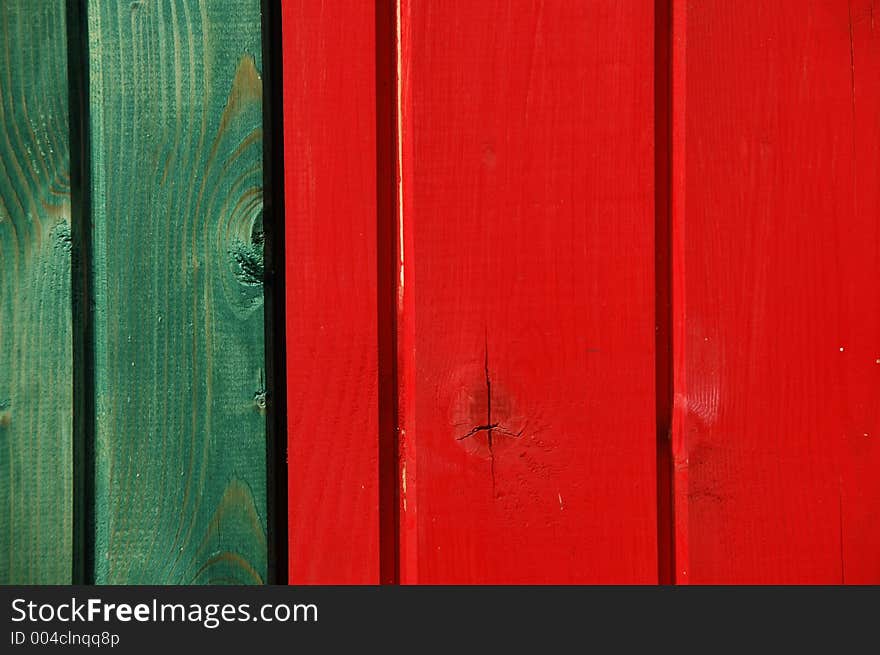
<point>35,318</point>
<point>176,192</point>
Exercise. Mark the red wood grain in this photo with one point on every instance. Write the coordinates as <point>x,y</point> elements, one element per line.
<point>331,269</point>
<point>782,353</point>
<point>677,182</point>
<point>526,292</point>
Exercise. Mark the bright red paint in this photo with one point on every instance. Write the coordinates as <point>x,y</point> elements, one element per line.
<point>677,104</point>
<point>330,184</point>
<point>502,219</point>
<point>528,258</point>
<point>781,234</point>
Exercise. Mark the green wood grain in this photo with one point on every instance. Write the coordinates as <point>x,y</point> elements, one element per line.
<point>35,316</point>
<point>176,177</point>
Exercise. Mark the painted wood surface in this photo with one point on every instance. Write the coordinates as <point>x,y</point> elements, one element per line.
<point>331,231</point>
<point>35,318</point>
<point>526,315</point>
<point>477,255</point>
<point>782,358</point>
<point>176,177</point>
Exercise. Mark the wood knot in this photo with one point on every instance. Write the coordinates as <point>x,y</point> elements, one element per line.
<point>247,258</point>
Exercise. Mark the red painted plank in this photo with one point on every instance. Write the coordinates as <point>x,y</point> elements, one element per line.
<point>331,270</point>
<point>782,252</point>
<point>677,37</point>
<point>526,306</point>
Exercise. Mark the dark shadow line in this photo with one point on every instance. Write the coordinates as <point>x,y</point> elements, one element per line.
<point>386,298</point>
<point>82,296</point>
<point>274,295</point>
<point>663,344</point>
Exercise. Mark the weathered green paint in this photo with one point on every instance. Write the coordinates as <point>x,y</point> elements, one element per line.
<point>35,317</point>
<point>176,192</point>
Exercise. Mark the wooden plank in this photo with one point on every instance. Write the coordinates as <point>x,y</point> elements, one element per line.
<point>330,185</point>
<point>35,319</point>
<point>526,328</point>
<point>176,139</point>
<point>677,281</point>
<point>781,251</point>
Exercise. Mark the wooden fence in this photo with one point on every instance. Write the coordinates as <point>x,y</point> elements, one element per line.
<point>439,291</point>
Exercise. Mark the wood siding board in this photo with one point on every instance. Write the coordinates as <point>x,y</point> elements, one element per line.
<point>781,252</point>
<point>329,54</point>
<point>176,191</point>
<point>527,222</point>
<point>35,298</point>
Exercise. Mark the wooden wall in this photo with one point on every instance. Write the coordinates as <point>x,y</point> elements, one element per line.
<point>625,326</point>
<point>577,291</point>
<point>171,457</point>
